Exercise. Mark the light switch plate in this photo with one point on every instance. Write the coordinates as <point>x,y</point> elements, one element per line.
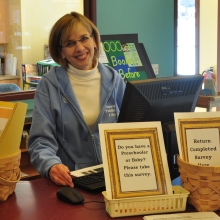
<point>155,68</point>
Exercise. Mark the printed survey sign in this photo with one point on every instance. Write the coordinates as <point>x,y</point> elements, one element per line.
<point>135,160</point>
<point>198,137</point>
<point>203,145</point>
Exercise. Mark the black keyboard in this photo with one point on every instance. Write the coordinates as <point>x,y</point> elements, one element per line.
<point>92,182</point>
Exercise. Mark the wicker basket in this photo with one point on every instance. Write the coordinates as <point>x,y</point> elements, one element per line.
<point>203,183</point>
<point>10,174</point>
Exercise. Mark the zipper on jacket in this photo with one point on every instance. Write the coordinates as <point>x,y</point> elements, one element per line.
<point>63,98</point>
<point>67,100</point>
<point>93,143</point>
<point>93,139</point>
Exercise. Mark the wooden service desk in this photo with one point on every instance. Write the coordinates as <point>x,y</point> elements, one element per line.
<point>36,200</point>
<point>208,102</point>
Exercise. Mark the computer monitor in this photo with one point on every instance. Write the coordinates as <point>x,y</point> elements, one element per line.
<point>157,100</point>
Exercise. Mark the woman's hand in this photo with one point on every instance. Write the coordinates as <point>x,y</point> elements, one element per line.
<point>60,175</point>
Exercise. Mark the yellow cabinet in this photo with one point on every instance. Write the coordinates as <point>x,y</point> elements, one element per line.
<point>4,22</point>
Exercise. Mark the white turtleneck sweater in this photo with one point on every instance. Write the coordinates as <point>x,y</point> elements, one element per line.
<point>86,86</point>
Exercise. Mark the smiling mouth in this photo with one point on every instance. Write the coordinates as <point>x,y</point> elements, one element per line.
<point>81,57</point>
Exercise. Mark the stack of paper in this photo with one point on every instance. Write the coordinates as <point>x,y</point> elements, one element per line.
<point>184,216</point>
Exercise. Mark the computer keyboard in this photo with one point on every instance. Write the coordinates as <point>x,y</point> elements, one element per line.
<point>95,181</point>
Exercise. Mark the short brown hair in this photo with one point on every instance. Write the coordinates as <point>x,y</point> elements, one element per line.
<point>61,31</point>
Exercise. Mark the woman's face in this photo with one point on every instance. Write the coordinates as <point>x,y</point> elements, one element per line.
<point>79,48</point>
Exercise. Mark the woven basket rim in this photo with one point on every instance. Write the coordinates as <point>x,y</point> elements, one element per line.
<point>198,167</point>
<point>11,158</point>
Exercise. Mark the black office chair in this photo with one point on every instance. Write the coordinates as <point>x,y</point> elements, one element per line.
<point>9,87</point>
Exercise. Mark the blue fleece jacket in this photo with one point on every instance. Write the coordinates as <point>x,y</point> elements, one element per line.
<point>58,132</point>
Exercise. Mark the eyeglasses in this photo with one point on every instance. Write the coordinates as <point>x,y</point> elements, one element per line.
<point>72,43</point>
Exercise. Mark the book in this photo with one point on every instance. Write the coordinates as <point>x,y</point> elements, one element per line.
<point>46,52</point>
<point>29,86</point>
<point>34,79</point>
<point>28,71</point>
<point>2,60</point>
<point>1,72</point>
<point>9,64</point>
<point>45,65</point>
<point>2,65</point>
<point>14,66</point>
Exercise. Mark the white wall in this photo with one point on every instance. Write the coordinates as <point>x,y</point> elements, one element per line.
<point>208,34</point>
<point>208,37</point>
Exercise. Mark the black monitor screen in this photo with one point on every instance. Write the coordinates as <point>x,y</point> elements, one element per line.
<point>157,99</point>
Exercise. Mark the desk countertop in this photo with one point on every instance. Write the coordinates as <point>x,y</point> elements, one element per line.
<point>36,200</point>
<point>208,101</point>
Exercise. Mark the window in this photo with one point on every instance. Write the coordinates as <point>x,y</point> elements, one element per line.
<point>187,37</point>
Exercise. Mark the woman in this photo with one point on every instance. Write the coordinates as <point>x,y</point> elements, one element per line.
<point>71,100</point>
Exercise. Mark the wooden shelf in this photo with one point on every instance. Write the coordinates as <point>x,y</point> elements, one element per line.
<point>5,77</point>
<point>28,171</point>
<point>25,165</point>
<point>10,79</point>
